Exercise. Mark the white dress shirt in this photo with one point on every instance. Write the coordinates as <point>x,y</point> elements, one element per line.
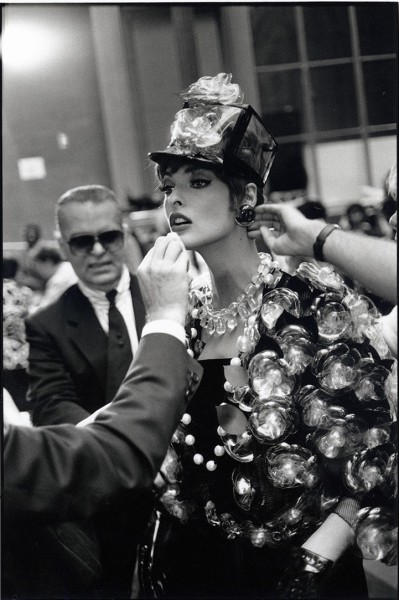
<point>123,302</point>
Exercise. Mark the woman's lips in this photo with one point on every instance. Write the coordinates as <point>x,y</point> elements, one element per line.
<point>178,222</point>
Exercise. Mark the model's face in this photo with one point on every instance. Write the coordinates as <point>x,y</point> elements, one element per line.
<point>100,269</point>
<point>197,206</point>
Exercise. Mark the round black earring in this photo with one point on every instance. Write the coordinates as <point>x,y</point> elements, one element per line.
<point>245,215</point>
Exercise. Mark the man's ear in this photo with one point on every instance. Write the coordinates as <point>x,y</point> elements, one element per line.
<point>61,242</point>
<point>251,194</point>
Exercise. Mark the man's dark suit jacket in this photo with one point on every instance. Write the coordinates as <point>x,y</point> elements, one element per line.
<point>63,472</point>
<point>68,358</point>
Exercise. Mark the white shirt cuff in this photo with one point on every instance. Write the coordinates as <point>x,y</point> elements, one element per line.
<point>165,326</point>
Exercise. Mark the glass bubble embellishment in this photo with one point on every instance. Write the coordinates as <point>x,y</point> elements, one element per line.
<point>272,421</point>
<point>297,348</point>
<point>336,368</point>
<point>323,278</point>
<point>238,447</point>
<point>268,375</point>
<point>243,490</point>
<point>275,303</point>
<point>376,534</point>
<point>368,469</point>
<point>333,320</point>
<point>291,465</point>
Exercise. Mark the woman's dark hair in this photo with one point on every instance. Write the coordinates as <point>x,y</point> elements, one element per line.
<point>236,185</point>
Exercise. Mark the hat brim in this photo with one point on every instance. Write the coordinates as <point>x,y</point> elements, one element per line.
<point>231,166</point>
<point>161,156</point>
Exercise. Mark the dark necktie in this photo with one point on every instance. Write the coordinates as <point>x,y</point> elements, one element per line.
<point>119,348</point>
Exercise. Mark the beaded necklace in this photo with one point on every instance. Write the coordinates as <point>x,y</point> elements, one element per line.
<point>245,308</point>
<point>217,322</point>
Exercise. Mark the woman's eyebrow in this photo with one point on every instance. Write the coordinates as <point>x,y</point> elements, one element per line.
<point>195,169</point>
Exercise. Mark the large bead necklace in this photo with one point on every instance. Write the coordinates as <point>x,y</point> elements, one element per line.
<point>247,303</point>
<point>217,322</point>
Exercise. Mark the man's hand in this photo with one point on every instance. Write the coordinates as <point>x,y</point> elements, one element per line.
<point>285,230</point>
<point>164,280</point>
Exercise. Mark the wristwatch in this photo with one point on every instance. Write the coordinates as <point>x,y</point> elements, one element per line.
<point>321,238</point>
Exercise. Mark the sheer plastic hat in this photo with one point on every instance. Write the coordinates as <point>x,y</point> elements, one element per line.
<point>214,126</point>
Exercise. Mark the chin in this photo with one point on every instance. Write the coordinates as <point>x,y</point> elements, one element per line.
<point>104,282</point>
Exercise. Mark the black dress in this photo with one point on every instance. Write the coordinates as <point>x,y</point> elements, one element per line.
<point>227,531</point>
<point>194,559</point>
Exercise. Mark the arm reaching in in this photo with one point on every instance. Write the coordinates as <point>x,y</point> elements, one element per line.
<point>371,261</point>
<point>65,472</point>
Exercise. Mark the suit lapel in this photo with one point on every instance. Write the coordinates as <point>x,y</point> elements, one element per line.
<point>138,306</point>
<point>85,331</point>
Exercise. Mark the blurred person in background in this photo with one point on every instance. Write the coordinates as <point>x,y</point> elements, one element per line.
<point>365,219</point>
<point>17,301</point>
<point>389,206</point>
<point>57,275</point>
<point>356,219</point>
<point>134,252</point>
<point>32,235</point>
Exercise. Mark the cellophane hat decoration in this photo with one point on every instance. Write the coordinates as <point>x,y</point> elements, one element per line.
<point>214,126</point>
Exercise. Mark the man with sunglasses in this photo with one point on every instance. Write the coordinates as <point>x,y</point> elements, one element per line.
<point>73,372</point>
<point>76,361</point>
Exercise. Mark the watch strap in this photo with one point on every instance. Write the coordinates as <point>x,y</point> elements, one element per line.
<point>321,238</point>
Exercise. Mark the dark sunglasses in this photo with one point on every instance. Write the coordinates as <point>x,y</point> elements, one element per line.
<point>81,245</point>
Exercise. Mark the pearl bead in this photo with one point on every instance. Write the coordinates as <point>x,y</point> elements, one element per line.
<point>190,440</point>
<point>219,450</point>
<point>194,313</point>
<point>227,386</point>
<point>198,459</point>
<point>186,419</point>
<point>190,352</point>
<point>211,465</point>
<point>193,333</point>
<point>221,431</point>
<point>235,362</point>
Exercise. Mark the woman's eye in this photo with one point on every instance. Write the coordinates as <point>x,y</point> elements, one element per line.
<point>200,183</point>
<point>166,189</point>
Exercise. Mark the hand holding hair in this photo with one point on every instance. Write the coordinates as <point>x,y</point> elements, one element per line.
<point>285,230</point>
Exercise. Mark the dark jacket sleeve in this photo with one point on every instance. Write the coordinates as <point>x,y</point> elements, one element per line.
<point>65,472</point>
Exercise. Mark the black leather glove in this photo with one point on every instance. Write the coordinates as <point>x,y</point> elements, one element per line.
<point>303,575</point>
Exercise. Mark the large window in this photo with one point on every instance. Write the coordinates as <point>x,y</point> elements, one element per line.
<point>326,72</point>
